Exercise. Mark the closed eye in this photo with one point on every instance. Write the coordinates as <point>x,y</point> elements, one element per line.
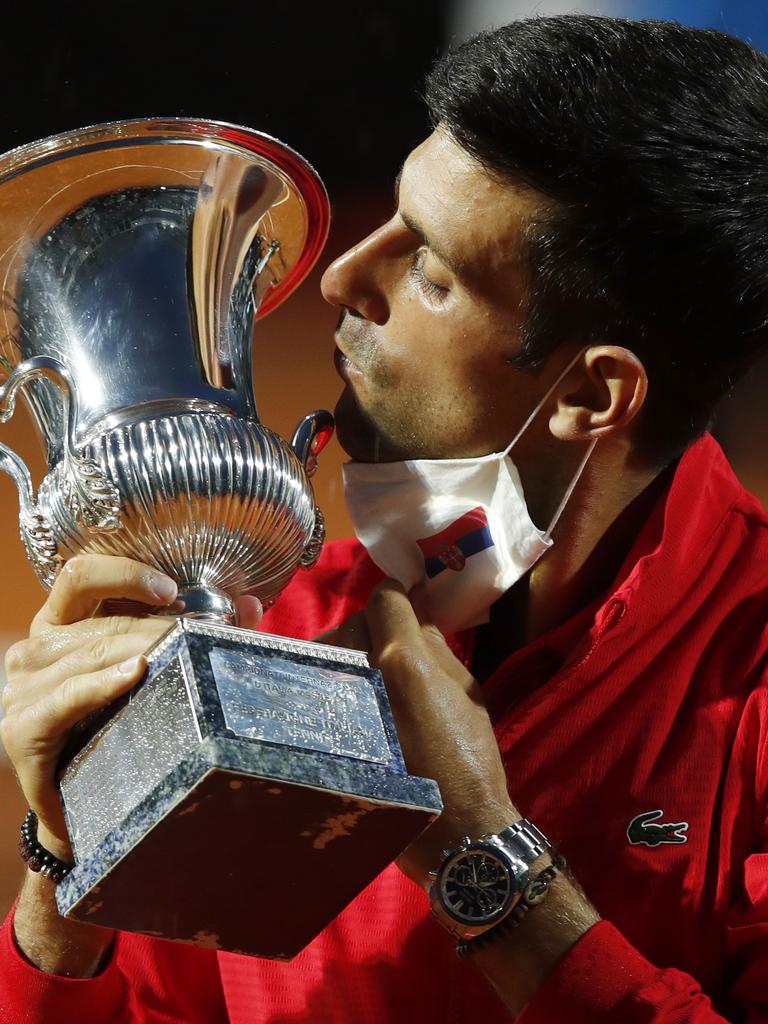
<point>426,284</point>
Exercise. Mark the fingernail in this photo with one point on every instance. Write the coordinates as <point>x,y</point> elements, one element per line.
<point>129,667</point>
<point>162,587</point>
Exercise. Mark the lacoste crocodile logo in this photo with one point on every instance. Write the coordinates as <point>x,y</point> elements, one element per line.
<point>643,829</point>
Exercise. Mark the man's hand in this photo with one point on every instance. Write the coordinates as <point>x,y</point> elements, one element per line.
<point>78,659</point>
<point>441,721</point>
<point>74,662</point>
<point>446,735</point>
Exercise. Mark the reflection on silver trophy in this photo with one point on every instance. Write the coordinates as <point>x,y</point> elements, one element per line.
<point>135,258</point>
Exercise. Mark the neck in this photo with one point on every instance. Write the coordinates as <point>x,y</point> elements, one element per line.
<point>593,537</point>
<point>591,541</point>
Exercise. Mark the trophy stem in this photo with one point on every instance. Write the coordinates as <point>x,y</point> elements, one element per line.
<point>208,603</point>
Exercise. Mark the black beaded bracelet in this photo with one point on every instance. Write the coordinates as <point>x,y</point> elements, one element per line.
<point>35,856</point>
<point>534,893</point>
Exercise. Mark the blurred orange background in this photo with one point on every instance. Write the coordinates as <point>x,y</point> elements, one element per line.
<point>293,375</point>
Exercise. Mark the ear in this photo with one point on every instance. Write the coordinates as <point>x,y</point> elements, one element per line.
<point>601,395</point>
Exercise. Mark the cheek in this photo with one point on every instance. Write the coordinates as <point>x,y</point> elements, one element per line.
<point>424,340</point>
<point>405,350</point>
<point>444,374</point>
<point>487,395</point>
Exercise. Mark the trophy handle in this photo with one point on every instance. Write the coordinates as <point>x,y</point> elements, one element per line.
<point>311,552</point>
<point>34,526</point>
<point>89,496</point>
<point>310,437</point>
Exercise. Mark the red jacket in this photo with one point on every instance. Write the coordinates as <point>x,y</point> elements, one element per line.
<point>654,699</point>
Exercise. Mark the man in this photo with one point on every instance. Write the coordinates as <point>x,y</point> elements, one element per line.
<point>581,237</point>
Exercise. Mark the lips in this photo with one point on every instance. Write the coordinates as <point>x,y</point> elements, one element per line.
<point>344,365</point>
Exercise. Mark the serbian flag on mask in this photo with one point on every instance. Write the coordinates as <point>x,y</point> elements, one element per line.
<point>461,539</point>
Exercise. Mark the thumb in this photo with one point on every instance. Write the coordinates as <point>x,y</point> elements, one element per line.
<point>249,611</point>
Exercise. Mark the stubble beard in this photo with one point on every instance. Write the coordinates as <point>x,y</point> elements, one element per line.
<point>397,422</point>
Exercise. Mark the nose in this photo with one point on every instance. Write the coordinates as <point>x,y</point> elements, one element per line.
<point>356,280</point>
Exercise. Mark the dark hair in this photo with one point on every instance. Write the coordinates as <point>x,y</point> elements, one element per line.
<point>651,141</point>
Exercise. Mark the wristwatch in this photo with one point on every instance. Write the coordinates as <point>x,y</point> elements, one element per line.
<point>480,881</point>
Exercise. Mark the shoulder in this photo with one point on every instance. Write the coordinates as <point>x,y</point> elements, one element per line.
<point>719,532</point>
<point>319,598</point>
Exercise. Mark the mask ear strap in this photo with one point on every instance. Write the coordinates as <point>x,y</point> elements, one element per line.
<point>571,488</point>
<point>544,401</point>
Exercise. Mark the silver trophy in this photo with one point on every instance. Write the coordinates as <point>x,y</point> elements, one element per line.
<point>252,785</point>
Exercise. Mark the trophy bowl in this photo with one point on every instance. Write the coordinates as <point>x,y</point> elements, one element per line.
<point>136,258</point>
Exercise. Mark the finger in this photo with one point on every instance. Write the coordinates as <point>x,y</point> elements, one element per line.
<point>391,618</point>
<point>32,730</point>
<point>44,648</point>
<point>94,656</point>
<point>430,633</point>
<point>420,603</point>
<point>80,695</point>
<point>352,634</point>
<point>34,734</point>
<point>86,580</point>
<point>249,611</point>
<point>122,606</point>
<point>404,647</point>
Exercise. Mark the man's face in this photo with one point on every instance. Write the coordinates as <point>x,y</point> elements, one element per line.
<point>432,306</point>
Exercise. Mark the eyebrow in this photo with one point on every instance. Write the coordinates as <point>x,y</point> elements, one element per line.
<point>455,266</point>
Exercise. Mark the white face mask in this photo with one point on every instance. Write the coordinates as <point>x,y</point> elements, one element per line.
<point>459,526</point>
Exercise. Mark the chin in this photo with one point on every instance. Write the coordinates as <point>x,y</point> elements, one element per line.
<point>354,432</point>
<point>357,434</point>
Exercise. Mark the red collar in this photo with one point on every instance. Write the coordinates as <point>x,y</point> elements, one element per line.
<point>676,541</point>
<point>664,561</point>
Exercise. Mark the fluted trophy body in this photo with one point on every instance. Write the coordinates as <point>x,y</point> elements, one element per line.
<point>135,260</point>
<point>141,255</point>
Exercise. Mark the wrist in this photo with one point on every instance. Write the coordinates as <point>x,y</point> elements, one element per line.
<point>60,848</point>
<point>519,962</point>
<point>54,944</point>
<point>484,880</point>
<point>38,857</point>
<point>420,860</point>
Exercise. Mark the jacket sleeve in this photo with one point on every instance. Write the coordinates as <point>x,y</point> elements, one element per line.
<point>145,979</point>
<point>604,979</point>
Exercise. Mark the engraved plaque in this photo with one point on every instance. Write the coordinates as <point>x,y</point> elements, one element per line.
<point>267,697</point>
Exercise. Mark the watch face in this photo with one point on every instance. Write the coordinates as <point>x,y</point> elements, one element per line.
<point>476,886</point>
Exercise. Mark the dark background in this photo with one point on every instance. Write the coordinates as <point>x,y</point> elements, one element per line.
<point>338,82</point>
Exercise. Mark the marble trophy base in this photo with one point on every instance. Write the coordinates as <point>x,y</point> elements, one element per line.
<point>241,796</point>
